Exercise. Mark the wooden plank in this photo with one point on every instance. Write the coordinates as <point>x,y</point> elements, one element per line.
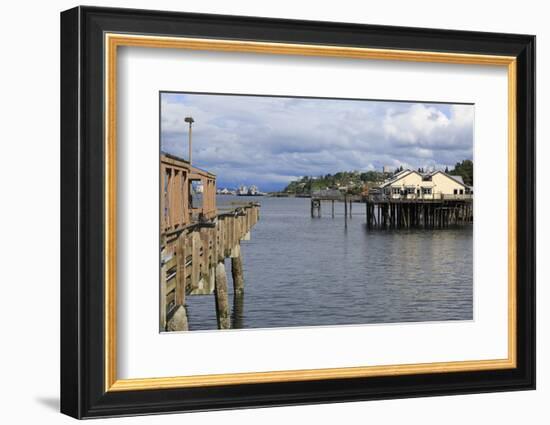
<point>195,266</point>
<point>170,300</point>
<point>170,285</point>
<point>171,263</point>
<point>180,270</point>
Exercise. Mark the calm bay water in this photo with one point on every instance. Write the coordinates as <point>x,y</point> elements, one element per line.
<point>301,271</point>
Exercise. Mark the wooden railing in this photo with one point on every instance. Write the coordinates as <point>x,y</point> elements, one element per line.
<point>176,200</point>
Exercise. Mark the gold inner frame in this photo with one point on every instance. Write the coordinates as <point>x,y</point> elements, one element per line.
<point>113,41</point>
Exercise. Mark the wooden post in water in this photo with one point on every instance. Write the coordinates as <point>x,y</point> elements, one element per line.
<point>222,302</point>
<point>333,208</point>
<point>350,207</point>
<point>237,270</point>
<point>345,211</point>
<point>238,309</point>
<point>315,206</point>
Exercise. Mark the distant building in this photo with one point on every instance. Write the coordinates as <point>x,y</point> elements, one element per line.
<point>327,193</point>
<point>410,184</point>
<point>371,188</point>
<point>253,190</point>
<point>249,191</point>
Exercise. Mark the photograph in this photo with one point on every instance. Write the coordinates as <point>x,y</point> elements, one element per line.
<point>284,211</point>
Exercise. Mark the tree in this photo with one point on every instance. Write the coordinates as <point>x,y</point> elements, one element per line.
<point>371,176</point>
<point>447,170</point>
<point>465,169</point>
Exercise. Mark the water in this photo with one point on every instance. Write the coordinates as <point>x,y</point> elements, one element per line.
<point>301,271</point>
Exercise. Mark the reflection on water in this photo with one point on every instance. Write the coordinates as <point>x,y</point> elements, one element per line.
<point>301,271</point>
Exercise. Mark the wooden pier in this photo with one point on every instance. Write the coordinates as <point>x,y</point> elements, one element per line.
<point>332,196</point>
<point>195,241</point>
<point>387,213</point>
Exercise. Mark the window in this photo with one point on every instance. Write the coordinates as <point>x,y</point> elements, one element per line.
<point>455,191</point>
<point>395,190</point>
<point>426,191</point>
<point>462,191</point>
<point>409,191</point>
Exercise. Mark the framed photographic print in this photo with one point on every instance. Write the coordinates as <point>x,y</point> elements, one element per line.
<point>262,212</point>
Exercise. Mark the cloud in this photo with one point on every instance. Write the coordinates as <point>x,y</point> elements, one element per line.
<point>269,141</point>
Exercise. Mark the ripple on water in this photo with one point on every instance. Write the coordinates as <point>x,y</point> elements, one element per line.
<point>306,272</point>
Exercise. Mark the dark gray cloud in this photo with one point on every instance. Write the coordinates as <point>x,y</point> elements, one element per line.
<point>269,141</point>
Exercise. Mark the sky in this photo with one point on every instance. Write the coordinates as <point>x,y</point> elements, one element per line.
<point>270,141</point>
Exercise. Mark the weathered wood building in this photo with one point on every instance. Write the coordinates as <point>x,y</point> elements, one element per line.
<point>196,238</point>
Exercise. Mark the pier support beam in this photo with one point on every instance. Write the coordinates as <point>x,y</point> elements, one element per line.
<point>345,211</point>
<point>237,270</point>
<point>178,322</point>
<point>315,208</point>
<point>222,302</point>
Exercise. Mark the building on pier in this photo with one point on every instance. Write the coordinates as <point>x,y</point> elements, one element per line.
<point>410,184</point>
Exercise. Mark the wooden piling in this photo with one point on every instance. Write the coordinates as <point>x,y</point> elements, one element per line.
<point>238,311</point>
<point>333,208</point>
<point>222,302</point>
<point>345,211</point>
<point>178,322</point>
<point>315,207</point>
<point>237,270</point>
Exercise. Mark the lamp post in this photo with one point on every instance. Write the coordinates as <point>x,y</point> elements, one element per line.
<point>190,120</point>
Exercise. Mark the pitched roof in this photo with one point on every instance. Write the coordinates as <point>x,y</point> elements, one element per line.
<point>399,176</point>
<point>456,178</point>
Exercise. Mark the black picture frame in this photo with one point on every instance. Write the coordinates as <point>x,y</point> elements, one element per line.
<point>82,212</point>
